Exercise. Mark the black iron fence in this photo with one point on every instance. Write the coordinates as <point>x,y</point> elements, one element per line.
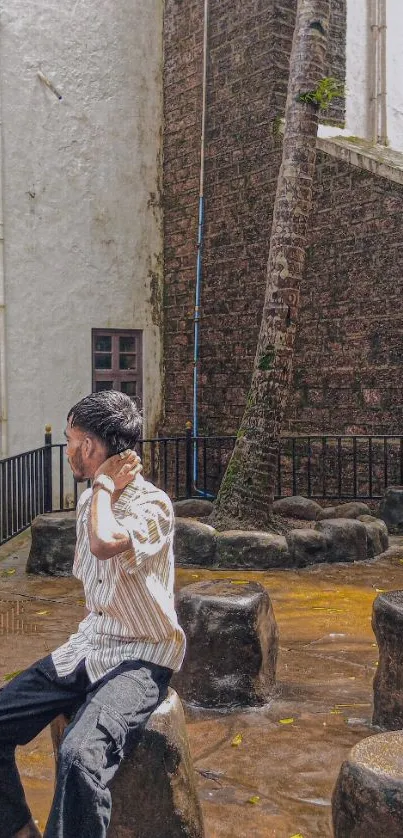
<point>321,467</point>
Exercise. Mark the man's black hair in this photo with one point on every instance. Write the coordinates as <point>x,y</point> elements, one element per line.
<point>109,415</point>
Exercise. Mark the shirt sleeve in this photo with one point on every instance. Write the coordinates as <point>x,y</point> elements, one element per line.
<point>150,524</point>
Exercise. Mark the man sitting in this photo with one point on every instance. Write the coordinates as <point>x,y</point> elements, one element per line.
<point>115,670</point>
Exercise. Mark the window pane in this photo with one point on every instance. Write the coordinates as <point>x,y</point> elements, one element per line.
<point>103,362</point>
<point>127,362</point>
<point>129,387</point>
<point>103,385</point>
<point>127,344</point>
<point>103,343</point>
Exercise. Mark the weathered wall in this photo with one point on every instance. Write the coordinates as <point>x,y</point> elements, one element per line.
<point>83,229</point>
<point>349,352</point>
<point>249,46</point>
<point>359,40</point>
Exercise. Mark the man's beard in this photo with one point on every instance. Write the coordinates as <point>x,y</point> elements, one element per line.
<point>77,466</point>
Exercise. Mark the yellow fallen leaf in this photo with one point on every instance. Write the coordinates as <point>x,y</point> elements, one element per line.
<point>81,602</point>
<point>41,613</point>
<point>297,835</point>
<point>286,721</point>
<point>380,590</point>
<point>335,712</point>
<point>8,572</point>
<point>12,675</point>
<point>254,799</point>
<point>239,582</point>
<point>237,740</point>
<point>195,575</point>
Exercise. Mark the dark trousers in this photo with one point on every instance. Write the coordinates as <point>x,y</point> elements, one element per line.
<point>108,718</point>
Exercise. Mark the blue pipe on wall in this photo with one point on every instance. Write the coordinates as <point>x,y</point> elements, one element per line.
<point>199,264</point>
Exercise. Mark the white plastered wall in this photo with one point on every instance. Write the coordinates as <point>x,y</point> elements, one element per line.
<point>82,218</point>
<point>357,81</point>
<point>356,68</point>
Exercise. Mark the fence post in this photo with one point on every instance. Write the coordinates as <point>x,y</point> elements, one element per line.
<point>47,471</point>
<point>189,460</point>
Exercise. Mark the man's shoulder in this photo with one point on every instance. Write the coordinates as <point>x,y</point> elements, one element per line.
<point>143,491</point>
<point>82,500</point>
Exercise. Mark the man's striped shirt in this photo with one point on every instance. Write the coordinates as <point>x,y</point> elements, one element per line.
<point>129,597</point>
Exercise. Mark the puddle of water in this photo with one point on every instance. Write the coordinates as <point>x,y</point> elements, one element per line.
<point>278,782</point>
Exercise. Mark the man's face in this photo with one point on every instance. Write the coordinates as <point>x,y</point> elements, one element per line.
<point>74,451</point>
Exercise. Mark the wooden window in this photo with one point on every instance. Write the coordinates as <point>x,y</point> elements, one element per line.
<point>117,361</point>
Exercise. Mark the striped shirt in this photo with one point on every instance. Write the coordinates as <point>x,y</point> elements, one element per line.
<point>129,597</point>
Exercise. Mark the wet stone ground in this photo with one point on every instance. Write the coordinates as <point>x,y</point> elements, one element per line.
<point>264,773</point>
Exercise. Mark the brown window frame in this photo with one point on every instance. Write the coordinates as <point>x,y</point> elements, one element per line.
<point>115,374</point>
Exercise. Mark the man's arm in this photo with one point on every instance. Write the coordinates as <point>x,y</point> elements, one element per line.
<point>107,537</point>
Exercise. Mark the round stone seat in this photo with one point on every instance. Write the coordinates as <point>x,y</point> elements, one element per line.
<point>232,643</point>
<point>387,623</point>
<point>154,791</point>
<point>53,544</point>
<point>368,796</point>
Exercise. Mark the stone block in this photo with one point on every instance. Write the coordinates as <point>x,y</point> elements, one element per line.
<point>387,623</point>
<point>344,510</point>
<point>232,643</point>
<point>195,542</point>
<point>346,540</point>
<point>193,508</point>
<point>238,549</point>
<point>391,508</point>
<point>154,791</point>
<point>368,797</point>
<point>53,544</point>
<point>297,507</point>
<point>306,547</point>
<point>377,536</point>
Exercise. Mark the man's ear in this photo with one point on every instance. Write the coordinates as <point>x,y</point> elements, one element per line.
<point>89,446</point>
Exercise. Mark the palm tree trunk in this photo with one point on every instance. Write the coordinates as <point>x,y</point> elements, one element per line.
<point>247,490</point>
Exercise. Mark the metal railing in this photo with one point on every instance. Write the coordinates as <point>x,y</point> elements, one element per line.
<point>316,466</point>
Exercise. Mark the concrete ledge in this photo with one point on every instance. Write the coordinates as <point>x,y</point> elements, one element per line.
<point>378,160</point>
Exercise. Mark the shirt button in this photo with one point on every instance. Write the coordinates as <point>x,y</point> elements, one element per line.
<point>100,613</point>
<point>100,581</point>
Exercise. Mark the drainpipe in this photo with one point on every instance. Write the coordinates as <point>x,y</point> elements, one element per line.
<point>383,134</point>
<point>200,235</point>
<point>377,125</point>
<point>3,381</point>
<point>372,71</point>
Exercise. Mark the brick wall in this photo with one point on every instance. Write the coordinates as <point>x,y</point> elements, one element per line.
<point>249,46</point>
<point>349,352</point>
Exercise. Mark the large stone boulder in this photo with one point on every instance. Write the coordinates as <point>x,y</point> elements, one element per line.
<point>391,508</point>
<point>387,623</point>
<point>53,544</point>
<point>193,508</point>
<point>232,643</point>
<point>353,509</point>
<point>306,547</point>
<point>377,536</point>
<point>297,507</point>
<point>238,549</point>
<point>346,539</point>
<point>195,543</point>
<point>154,792</point>
<point>368,796</point>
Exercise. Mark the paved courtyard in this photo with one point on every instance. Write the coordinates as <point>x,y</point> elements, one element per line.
<point>277,782</point>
